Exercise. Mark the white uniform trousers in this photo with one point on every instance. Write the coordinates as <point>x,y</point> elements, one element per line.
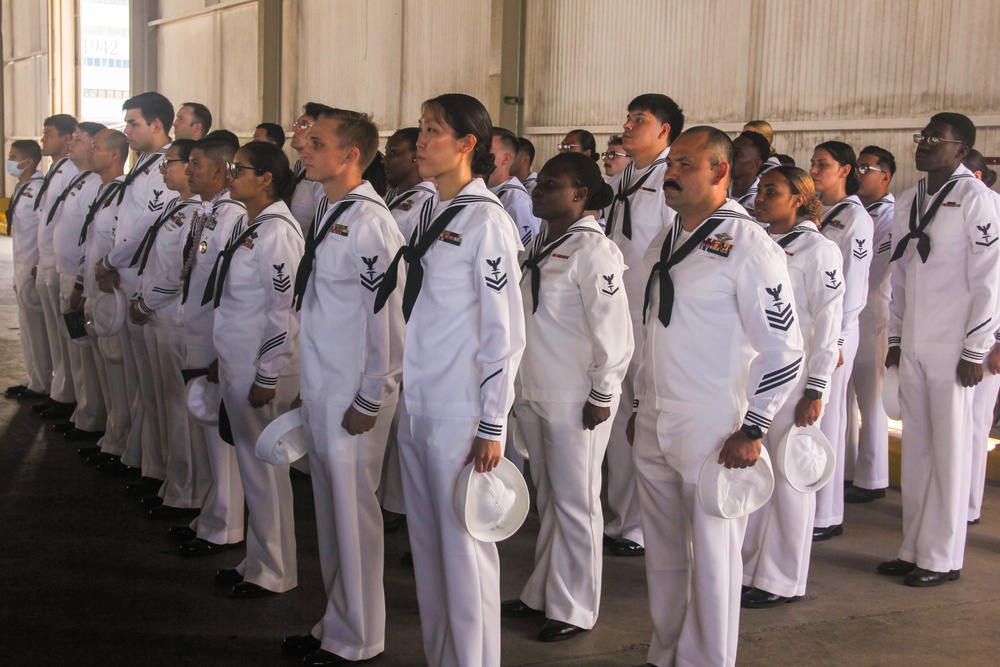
<point>458,577</point>
<point>112,377</point>
<point>270,558</point>
<point>34,342</point>
<point>133,349</point>
<point>983,399</point>
<point>778,540</point>
<point>866,461</point>
<point>390,489</point>
<point>217,478</point>
<point>693,564</point>
<point>566,469</point>
<point>154,444</point>
<point>936,460</point>
<point>623,501</point>
<point>91,413</point>
<point>833,423</point>
<point>47,284</point>
<point>345,472</point>
<point>187,468</point>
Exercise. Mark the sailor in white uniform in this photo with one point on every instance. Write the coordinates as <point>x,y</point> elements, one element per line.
<point>143,196</point>
<point>460,296</point>
<point>718,292</point>
<point>752,158</point>
<point>779,535</point>
<point>308,194</point>
<point>349,390</point>
<point>845,222</point>
<point>22,224</point>
<point>520,168</point>
<point>568,388</point>
<point>508,189</point>
<point>942,317</point>
<point>256,337</point>
<point>637,215</point>
<point>866,460</point>
<point>97,238</point>
<point>56,137</point>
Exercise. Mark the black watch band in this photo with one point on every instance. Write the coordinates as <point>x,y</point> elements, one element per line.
<point>813,394</point>
<point>752,432</point>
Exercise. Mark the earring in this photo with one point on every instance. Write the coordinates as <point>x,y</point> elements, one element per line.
<point>576,199</point>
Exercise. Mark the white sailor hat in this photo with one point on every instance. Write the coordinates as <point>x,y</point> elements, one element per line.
<point>518,437</point>
<point>111,348</point>
<point>491,505</point>
<point>890,393</point>
<point>283,441</point>
<point>730,493</point>
<point>806,459</point>
<point>108,313</point>
<point>203,399</point>
<point>29,295</point>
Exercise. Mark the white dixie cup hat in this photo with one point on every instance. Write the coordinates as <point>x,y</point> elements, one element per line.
<point>730,493</point>
<point>203,399</point>
<point>109,311</point>
<point>491,505</point>
<point>284,440</point>
<point>890,393</point>
<point>806,458</point>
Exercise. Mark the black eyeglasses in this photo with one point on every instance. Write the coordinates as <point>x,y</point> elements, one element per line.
<point>233,169</point>
<point>165,163</point>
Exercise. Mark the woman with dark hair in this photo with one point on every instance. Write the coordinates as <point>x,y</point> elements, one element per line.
<point>464,340</point>
<point>778,539</point>
<point>580,141</point>
<point>256,337</point>
<point>845,221</point>
<point>579,343</point>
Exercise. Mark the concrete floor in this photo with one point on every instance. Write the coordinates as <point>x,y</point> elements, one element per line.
<point>87,579</point>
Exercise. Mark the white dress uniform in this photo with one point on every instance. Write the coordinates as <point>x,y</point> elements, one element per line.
<point>67,217</point>
<point>943,309</point>
<point>221,520</point>
<point>517,202</point>
<point>531,181</point>
<point>22,225</point>
<point>57,178</point>
<point>731,354</point>
<point>143,198</point>
<point>847,224</point>
<point>159,261</point>
<point>305,199</point>
<point>867,453</point>
<point>256,337</point>
<point>648,216</point>
<point>405,208</point>
<point>778,540</point>
<point>97,238</point>
<point>354,243</point>
<point>577,352</point>
<point>469,306</point>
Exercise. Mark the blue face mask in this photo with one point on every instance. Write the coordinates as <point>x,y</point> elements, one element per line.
<point>13,169</point>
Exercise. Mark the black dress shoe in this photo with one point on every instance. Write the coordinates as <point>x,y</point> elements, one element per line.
<point>921,578</point>
<point>856,494</point>
<point>391,522</point>
<point>228,575</point>
<point>517,609</point>
<point>77,434</point>
<point>15,390</point>
<point>896,568</point>
<point>62,427</point>
<point>249,591</point>
<point>406,560</point>
<point>31,394</point>
<point>151,502</point>
<point>117,469</point>
<point>755,598</point>
<point>39,408</point>
<point>102,458</point>
<point>625,547</point>
<point>557,631</point>
<point>168,512</point>
<point>608,541</point>
<point>200,547</point>
<point>823,534</point>
<point>300,644</point>
<point>87,452</point>
<point>58,411</point>
<point>181,533</point>
<point>974,522</point>
<point>144,486</point>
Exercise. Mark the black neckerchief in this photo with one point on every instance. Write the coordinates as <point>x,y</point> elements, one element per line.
<point>64,194</point>
<point>539,254</point>
<point>141,256</point>
<point>18,193</point>
<point>103,200</point>
<point>48,179</point>
<point>625,196</point>
<point>919,223</point>
<point>217,280</point>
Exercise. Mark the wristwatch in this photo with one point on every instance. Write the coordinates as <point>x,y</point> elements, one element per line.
<point>813,394</point>
<point>752,432</point>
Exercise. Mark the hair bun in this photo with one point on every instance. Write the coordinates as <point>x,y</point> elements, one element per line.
<point>602,198</point>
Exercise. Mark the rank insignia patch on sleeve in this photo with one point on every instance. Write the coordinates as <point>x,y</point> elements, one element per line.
<point>371,280</point>
<point>282,281</point>
<point>156,204</point>
<point>495,280</point>
<point>988,238</point>
<point>777,312</point>
<point>861,251</point>
<point>609,289</point>
<point>832,282</point>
